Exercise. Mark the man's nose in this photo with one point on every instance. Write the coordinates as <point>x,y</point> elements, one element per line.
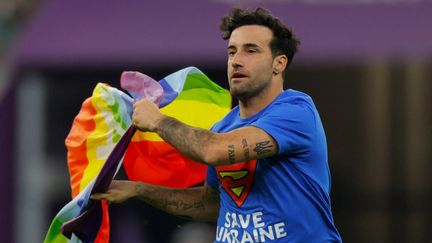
<point>237,60</point>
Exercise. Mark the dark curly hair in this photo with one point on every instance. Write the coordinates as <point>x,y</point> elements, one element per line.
<point>283,43</point>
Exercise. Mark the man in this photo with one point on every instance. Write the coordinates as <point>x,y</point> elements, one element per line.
<point>268,178</point>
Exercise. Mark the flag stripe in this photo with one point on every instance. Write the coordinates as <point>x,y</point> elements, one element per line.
<point>82,127</point>
<point>211,97</point>
<point>146,157</point>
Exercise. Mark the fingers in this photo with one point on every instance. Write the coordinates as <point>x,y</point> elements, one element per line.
<point>145,115</point>
<point>140,102</point>
<point>99,196</point>
<point>102,196</point>
<point>113,194</point>
<point>136,115</point>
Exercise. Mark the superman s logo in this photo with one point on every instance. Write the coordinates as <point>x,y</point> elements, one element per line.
<point>237,179</point>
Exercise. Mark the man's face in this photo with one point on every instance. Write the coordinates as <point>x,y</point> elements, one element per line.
<point>249,61</point>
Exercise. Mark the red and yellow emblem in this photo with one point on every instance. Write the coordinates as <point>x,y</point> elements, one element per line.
<point>237,179</point>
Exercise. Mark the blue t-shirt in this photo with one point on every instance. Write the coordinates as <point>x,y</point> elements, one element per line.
<point>284,198</point>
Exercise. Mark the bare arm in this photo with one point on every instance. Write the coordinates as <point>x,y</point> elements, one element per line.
<point>239,145</point>
<point>243,144</point>
<point>198,203</point>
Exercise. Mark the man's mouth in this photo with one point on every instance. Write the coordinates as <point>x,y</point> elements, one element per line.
<point>238,75</point>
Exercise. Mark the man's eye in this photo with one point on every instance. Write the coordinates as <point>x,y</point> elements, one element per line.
<point>251,51</point>
<point>231,53</point>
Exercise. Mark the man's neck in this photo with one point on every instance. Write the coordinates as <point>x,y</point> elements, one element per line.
<point>255,104</point>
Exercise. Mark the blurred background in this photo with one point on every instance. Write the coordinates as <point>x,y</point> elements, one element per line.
<point>366,63</point>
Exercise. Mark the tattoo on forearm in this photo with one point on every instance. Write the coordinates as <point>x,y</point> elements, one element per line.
<point>188,140</point>
<point>181,205</point>
<point>194,203</point>
<point>246,149</point>
<point>170,200</point>
<point>263,147</point>
<point>231,154</point>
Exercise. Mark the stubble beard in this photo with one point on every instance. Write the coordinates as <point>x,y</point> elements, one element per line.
<point>249,90</point>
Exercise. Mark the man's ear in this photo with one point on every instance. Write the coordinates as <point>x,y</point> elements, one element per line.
<point>279,64</point>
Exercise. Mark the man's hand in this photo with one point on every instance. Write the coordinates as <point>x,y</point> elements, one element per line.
<point>146,115</point>
<point>118,192</point>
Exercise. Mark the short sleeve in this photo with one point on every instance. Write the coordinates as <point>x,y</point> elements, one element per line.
<point>211,177</point>
<point>291,126</point>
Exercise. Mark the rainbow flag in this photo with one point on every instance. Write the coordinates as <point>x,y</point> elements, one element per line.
<point>101,133</point>
<point>197,102</point>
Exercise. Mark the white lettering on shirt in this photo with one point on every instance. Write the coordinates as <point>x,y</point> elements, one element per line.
<point>249,228</point>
